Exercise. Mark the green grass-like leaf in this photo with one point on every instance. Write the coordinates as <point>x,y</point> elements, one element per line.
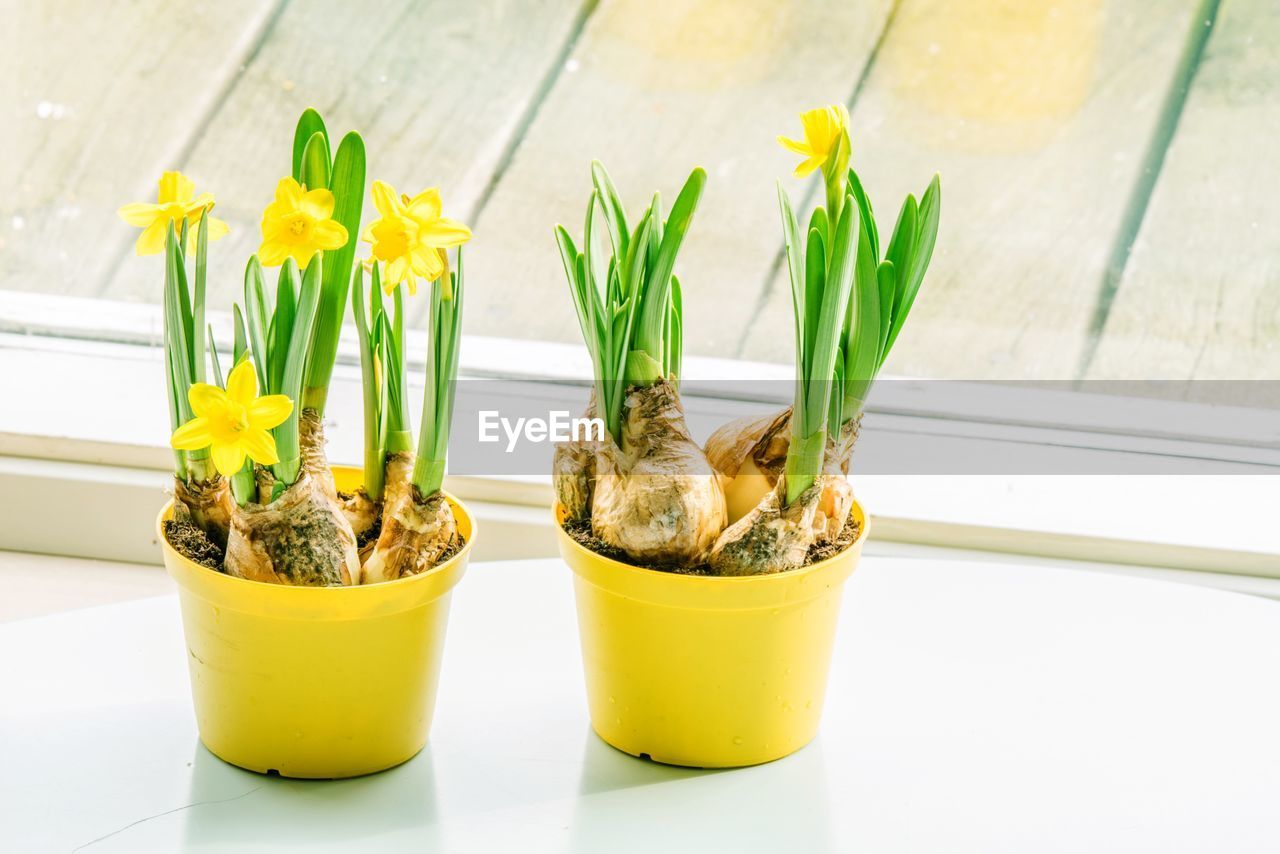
<point>445,325</point>
<point>309,124</point>
<point>316,163</point>
<point>347,182</point>
<point>909,280</point>
<point>256,320</point>
<point>299,320</point>
<point>282,323</point>
<point>625,295</point>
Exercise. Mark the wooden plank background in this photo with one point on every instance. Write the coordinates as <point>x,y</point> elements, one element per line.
<point>1038,118</point>
<point>102,99</point>
<point>1200,296</point>
<point>1048,122</point>
<point>437,89</point>
<point>652,90</point>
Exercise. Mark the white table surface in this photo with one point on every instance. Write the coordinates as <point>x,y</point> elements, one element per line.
<point>973,708</point>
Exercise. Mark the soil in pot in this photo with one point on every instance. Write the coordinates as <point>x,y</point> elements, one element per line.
<point>194,544</point>
<point>580,531</point>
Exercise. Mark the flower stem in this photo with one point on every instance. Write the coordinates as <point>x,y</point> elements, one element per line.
<point>290,363</point>
<point>804,462</point>
<point>445,328</point>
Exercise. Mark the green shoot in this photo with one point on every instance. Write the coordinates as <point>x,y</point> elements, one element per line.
<point>243,487</point>
<point>884,291</point>
<point>368,315</point>
<point>278,336</point>
<point>292,361</point>
<point>445,332</point>
<point>185,347</point>
<point>387,428</point>
<point>627,299</point>
<point>399,429</point>
<point>240,346</point>
<point>344,176</point>
<point>214,360</point>
<point>821,282</point>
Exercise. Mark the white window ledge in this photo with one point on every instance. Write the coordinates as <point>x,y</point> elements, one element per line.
<point>84,460</point>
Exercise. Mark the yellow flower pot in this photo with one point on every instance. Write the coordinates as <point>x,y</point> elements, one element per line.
<point>315,682</point>
<point>706,672</point>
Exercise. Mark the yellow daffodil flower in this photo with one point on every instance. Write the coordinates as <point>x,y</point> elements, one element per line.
<point>411,236</point>
<point>234,423</point>
<point>175,202</point>
<point>823,128</point>
<point>298,224</point>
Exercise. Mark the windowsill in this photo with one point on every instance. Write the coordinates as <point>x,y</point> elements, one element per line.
<point>101,454</point>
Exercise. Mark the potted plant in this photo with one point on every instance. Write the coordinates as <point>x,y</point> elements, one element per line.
<point>713,651</point>
<point>304,660</point>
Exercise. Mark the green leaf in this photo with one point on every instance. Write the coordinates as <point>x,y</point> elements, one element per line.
<point>908,282</point>
<point>175,346</point>
<point>184,303</point>
<point>178,322</point>
<point>818,221</point>
<point>316,163</point>
<point>569,257</point>
<point>863,201</point>
<point>658,289</point>
<point>593,251</point>
<point>240,345</point>
<point>655,232</point>
<point>213,360</point>
<point>300,324</point>
<point>282,326</point>
<point>256,314</point>
<point>394,368</point>
<point>886,277</point>
<point>835,296</point>
<point>445,322</point>
<point>198,300</point>
<point>397,323</point>
<point>394,378</point>
<point>675,228</point>
<point>309,124</point>
<point>815,280</point>
<point>795,269</point>
<point>594,273</point>
<point>375,296</point>
<point>615,214</point>
<point>172,395</point>
<point>373,388</point>
<point>902,245</point>
<point>675,331</point>
<point>347,184</point>
<point>835,411</point>
<point>862,348</point>
<point>633,264</point>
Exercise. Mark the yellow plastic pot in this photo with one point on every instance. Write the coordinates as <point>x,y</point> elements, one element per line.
<point>315,682</point>
<point>701,671</point>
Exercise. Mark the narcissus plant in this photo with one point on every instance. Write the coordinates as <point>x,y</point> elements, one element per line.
<point>767,490</point>
<point>402,488</point>
<point>648,489</point>
<point>850,299</point>
<point>249,460</point>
